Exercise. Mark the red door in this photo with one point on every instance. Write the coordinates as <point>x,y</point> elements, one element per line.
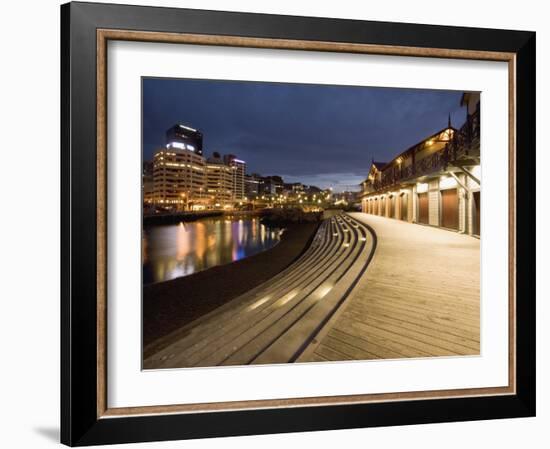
<point>477,218</point>
<point>423,216</point>
<point>449,209</point>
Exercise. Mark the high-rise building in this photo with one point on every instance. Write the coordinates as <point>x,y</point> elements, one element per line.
<point>238,169</point>
<point>219,181</point>
<point>183,179</point>
<point>179,177</point>
<point>183,137</point>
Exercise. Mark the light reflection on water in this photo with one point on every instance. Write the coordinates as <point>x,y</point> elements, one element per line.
<point>178,250</point>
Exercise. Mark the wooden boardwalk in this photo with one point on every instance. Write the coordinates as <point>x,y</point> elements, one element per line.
<point>419,297</point>
<point>277,320</point>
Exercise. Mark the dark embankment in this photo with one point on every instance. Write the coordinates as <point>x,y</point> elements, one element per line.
<point>172,218</point>
<point>167,306</point>
<point>281,218</point>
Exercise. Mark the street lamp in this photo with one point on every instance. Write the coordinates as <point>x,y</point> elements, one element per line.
<point>399,161</point>
<point>183,196</point>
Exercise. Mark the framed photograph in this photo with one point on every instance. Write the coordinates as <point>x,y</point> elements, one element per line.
<point>276,224</point>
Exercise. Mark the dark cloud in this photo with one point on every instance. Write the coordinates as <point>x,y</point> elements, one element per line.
<point>314,133</point>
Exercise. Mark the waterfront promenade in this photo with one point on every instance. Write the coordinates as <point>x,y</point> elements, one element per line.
<point>419,297</point>
<point>405,291</point>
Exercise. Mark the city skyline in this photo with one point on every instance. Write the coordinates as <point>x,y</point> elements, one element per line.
<point>319,135</point>
<point>227,160</point>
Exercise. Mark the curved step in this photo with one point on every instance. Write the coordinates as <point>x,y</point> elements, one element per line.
<point>211,337</point>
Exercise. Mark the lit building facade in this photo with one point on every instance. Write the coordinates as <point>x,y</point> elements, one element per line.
<point>179,178</point>
<point>219,181</point>
<point>238,170</point>
<point>436,182</point>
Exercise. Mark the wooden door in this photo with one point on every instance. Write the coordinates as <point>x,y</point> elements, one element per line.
<point>423,216</point>
<point>449,209</point>
<point>477,212</point>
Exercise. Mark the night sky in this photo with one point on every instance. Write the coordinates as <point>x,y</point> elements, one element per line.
<point>314,134</point>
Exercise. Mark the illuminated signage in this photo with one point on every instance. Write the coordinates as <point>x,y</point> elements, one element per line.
<point>179,145</point>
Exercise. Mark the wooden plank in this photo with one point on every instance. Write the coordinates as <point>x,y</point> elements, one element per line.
<point>365,345</point>
<point>429,346</point>
<point>342,347</point>
<point>448,323</point>
<point>469,303</point>
<point>359,331</point>
<point>409,306</point>
<point>318,358</point>
<point>453,344</point>
<point>330,354</point>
